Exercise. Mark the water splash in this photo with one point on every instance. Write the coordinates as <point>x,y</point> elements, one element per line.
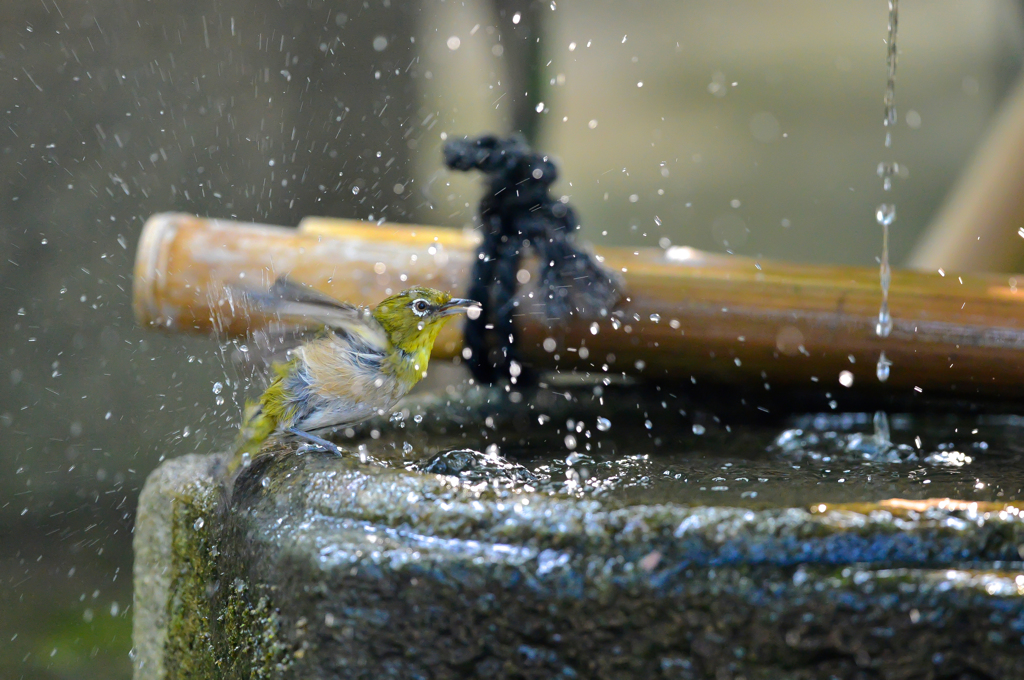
<point>882,436</point>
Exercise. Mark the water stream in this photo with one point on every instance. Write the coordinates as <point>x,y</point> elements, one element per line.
<point>885,214</point>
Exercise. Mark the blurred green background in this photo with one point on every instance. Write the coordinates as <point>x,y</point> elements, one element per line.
<point>664,116</point>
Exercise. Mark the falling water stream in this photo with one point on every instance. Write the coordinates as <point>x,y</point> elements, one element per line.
<point>885,214</point>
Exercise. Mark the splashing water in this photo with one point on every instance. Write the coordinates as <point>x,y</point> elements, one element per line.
<point>885,214</point>
<point>882,436</point>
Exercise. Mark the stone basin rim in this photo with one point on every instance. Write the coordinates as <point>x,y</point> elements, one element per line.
<point>349,503</point>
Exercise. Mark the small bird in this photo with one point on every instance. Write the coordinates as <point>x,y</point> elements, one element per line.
<point>357,363</point>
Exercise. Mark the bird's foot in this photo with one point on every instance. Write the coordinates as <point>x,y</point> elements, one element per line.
<point>313,439</point>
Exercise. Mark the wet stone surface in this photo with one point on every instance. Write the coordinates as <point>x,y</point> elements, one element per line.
<point>472,537</point>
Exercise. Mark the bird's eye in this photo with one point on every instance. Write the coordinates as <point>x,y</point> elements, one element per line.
<point>420,306</point>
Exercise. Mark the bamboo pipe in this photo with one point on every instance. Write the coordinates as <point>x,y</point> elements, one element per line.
<point>686,314</point>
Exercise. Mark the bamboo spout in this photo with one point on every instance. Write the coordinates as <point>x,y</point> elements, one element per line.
<point>686,314</point>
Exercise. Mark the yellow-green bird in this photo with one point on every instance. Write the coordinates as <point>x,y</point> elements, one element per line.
<point>357,364</point>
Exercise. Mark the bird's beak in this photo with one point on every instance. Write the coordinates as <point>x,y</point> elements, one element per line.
<point>455,306</point>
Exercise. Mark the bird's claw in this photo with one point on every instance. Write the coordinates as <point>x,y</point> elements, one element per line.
<point>313,440</point>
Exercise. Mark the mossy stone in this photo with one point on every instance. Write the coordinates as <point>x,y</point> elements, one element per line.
<point>311,565</point>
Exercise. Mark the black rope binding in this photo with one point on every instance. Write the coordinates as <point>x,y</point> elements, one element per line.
<point>517,213</point>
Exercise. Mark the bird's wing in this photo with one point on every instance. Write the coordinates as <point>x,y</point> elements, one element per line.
<point>296,302</point>
<point>293,291</point>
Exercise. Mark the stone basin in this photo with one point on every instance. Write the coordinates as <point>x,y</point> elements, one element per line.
<point>472,536</point>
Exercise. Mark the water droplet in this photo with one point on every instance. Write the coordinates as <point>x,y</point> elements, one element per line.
<point>549,344</point>
<point>199,524</point>
<point>603,424</point>
<point>882,367</point>
<point>594,328</point>
<point>698,429</point>
<point>887,171</point>
<point>846,378</point>
<point>218,387</point>
<point>246,459</point>
<point>355,191</point>
<point>406,448</point>
<point>885,214</point>
<point>655,318</point>
<point>616,324</point>
<point>417,418</point>
<point>570,442</point>
<point>884,325</point>
<point>397,417</point>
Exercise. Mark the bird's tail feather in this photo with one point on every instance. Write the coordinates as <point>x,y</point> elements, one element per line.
<point>261,418</point>
<point>256,428</point>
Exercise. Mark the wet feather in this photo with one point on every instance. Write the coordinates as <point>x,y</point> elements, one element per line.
<point>356,364</point>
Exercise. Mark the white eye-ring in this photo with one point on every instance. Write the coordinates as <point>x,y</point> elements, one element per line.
<point>420,307</point>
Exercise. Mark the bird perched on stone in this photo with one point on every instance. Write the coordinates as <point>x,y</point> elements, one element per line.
<point>355,364</point>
